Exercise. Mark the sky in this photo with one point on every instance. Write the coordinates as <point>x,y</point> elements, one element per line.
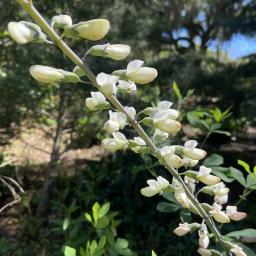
<point>239,46</point>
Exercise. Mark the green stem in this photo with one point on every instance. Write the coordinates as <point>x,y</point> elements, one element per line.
<point>154,150</point>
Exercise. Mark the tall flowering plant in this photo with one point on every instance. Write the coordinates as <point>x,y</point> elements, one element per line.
<point>187,177</point>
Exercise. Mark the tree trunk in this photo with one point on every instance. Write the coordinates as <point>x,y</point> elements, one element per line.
<point>55,155</point>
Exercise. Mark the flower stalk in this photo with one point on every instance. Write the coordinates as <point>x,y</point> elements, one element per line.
<point>48,30</point>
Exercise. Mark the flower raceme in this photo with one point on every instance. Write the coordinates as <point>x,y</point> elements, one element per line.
<point>137,73</point>
<point>96,102</point>
<point>92,30</point>
<point>24,32</point>
<point>112,51</point>
<point>49,75</point>
<point>155,187</point>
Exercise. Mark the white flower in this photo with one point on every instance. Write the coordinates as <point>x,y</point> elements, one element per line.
<point>139,141</point>
<point>233,214</point>
<point>118,141</point>
<point>44,74</point>
<point>155,187</point>
<point>203,237</point>
<point>162,121</point>
<point>192,152</point>
<point>131,111</point>
<point>219,215</point>
<point>220,189</point>
<point>237,251</point>
<point>95,101</point>
<point>188,162</point>
<point>168,153</point>
<point>92,30</point>
<point>221,199</point>
<point>182,198</point>
<point>113,51</point>
<point>182,230</point>
<point>127,86</point>
<point>107,83</point>
<point>191,183</point>
<point>117,121</point>
<point>165,107</point>
<point>204,252</point>
<point>61,21</point>
<point>205,177</point>
<point>24,32</point>
<point>137,73</point>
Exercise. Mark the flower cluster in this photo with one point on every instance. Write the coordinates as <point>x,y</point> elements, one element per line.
<point>162,119</point>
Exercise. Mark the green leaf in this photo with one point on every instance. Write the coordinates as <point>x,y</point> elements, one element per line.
<point>213,160</point>
<point>93,247</point>
<point>250,182</point>
<point>153,253</point>
<point>176,90</point>
<point>245,165</point>
<point>244,233</point>
<point>223,176</point>
<point>121,243</point>
<point>95,212</point>
<point>88,217</point>
<point>104,210</point>
<point>185,216</point>
<point>102,243</point>
<point>217,115</point>
<point>193,119</point>
<point>102,222</point>
<point>65,224</point>
<point>168,195</point>
<point>222,132</point>
<point>69,251</point>
<point>238,175</point>
<point>167,207</point>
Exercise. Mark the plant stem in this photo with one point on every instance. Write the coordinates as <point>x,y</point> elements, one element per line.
<point>154,150</point>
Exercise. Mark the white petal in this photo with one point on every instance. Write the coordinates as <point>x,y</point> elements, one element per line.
<point>148,191</point>
<point>164,105</point>
<point>190,144</point>
<point>134,66</point>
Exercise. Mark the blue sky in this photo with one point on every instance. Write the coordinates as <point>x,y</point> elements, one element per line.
<point>239,46</point>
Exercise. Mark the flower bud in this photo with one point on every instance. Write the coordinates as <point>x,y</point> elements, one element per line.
<point>44,74</point>
<point>233,214</point>
<point>114,51</point>
<point>61,21</point>
<point>237,251</point>
<point>117,120</point>
<point>24,32</point>
<point>221,199</point>
<point>107,83</point>
<point>182,230</point>
<point>92,30</point>
<point>190,150</point>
